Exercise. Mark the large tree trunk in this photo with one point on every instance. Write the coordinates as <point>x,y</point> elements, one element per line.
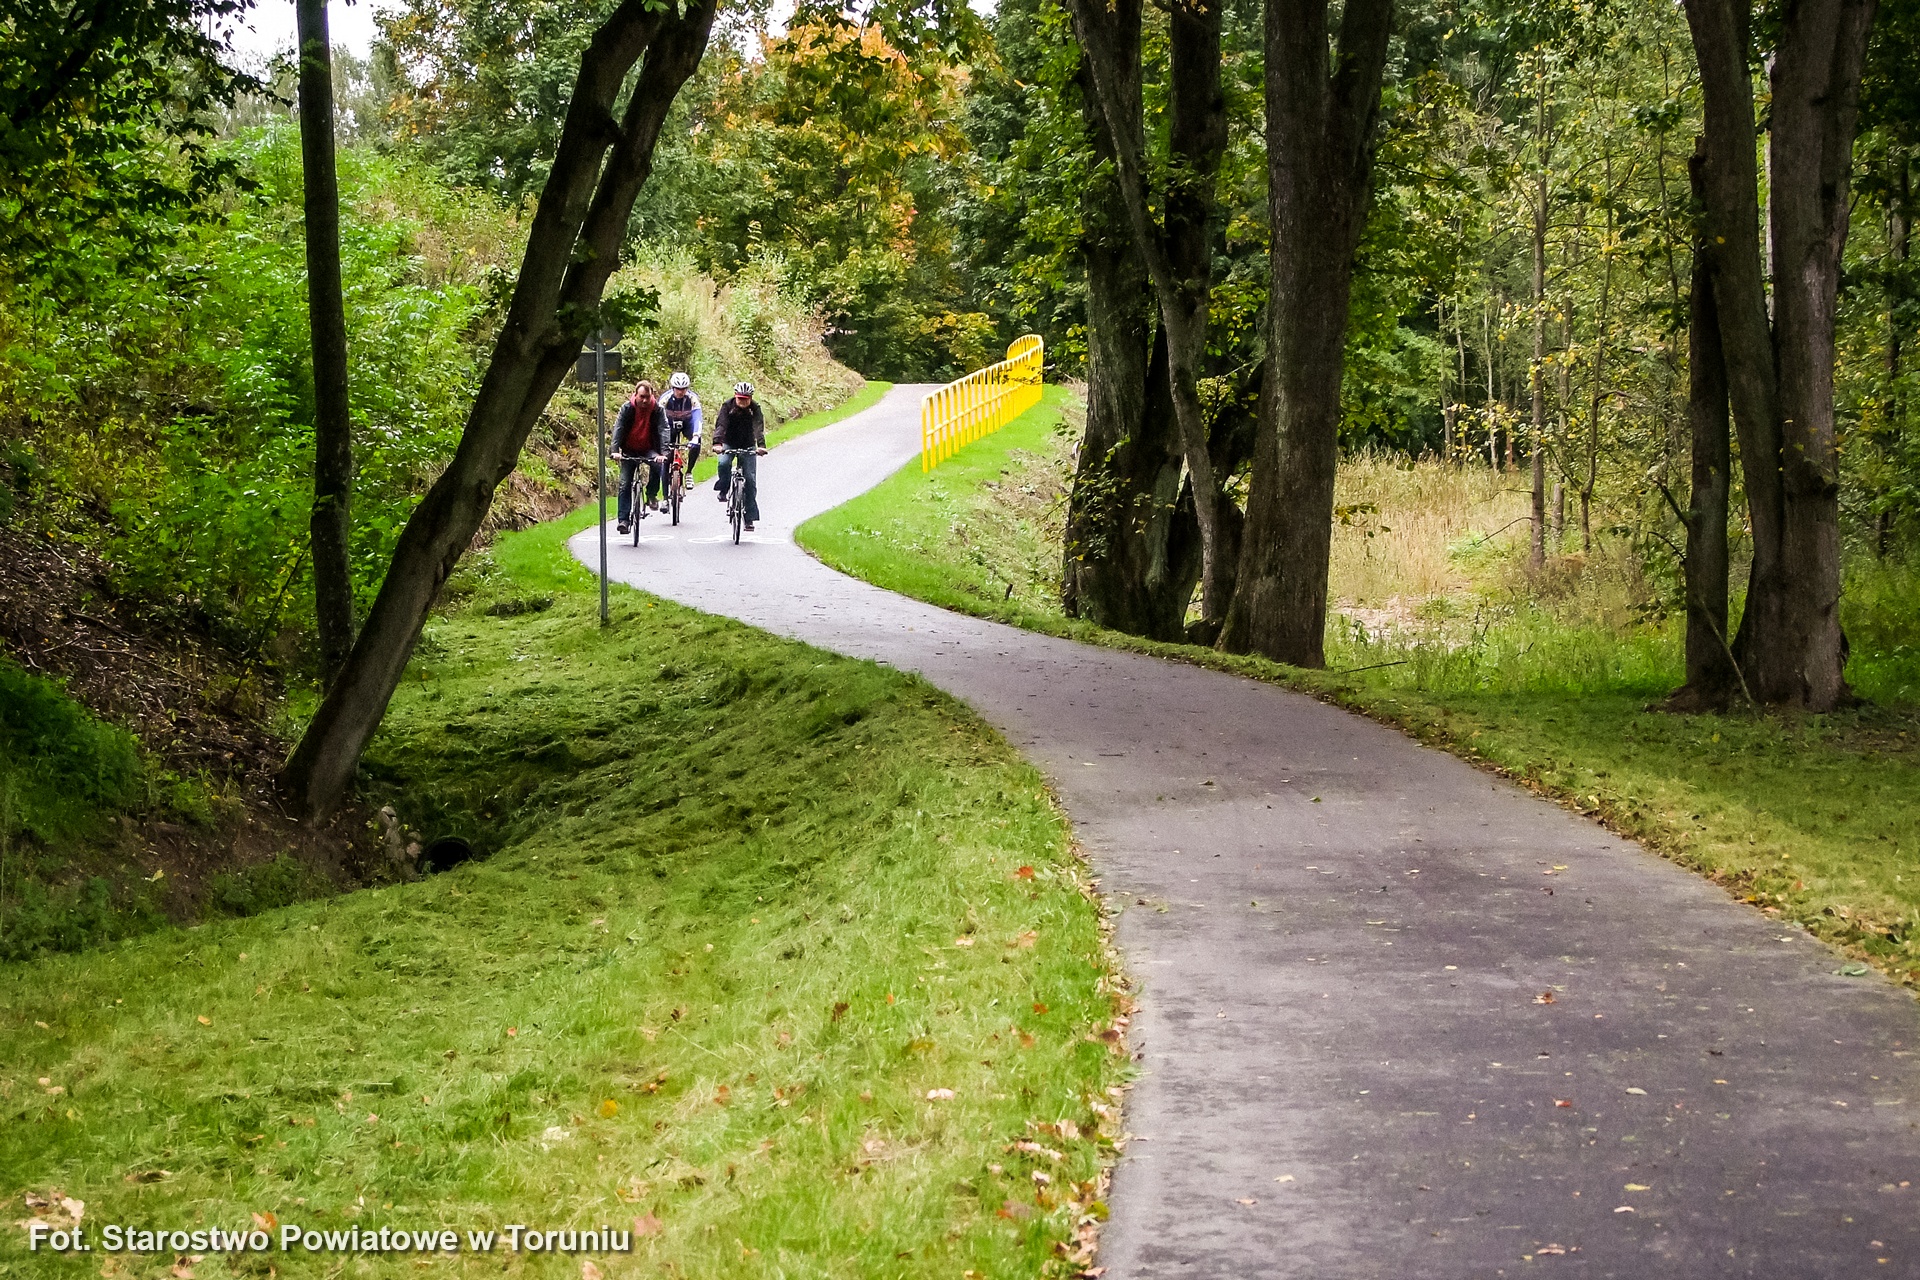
<point>330,527</point>
<point>1124,514</point>
<point>1712,677</point>
<point>1779,357</point>
<point>1178,253</point>
<point>574,245</point>
<point>1537,551</point>
<point>1899,249</point>
<point>1320,143</point>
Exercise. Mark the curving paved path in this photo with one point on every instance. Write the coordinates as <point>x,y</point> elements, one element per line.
<point>1345,940</point>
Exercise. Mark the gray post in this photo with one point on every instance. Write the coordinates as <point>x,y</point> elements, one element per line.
<point>600,380</point>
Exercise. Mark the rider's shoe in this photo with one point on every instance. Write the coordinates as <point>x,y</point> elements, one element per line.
<point>624,528</point>
<point>749,526</point>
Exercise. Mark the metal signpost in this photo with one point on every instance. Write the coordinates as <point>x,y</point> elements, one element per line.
<point>597,361</point>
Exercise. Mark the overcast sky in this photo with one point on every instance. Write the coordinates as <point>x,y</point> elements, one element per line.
<point>269,26</point>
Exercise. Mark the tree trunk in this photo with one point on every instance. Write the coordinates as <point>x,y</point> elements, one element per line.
<point>1899,249</point>
<point>1537,552</point>
<point>1779,358</point>
<point>1178,253</point>
<point>1127,564</point>
<point>330,527</point>
<point>1596,393</point>
<point>573,246</point>
<point>1712,677</point>
<point>1320,144</point>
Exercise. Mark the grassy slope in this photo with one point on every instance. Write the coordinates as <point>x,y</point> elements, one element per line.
<point>1813,818</point>
<point>709,973</point>
<point>865,398</point>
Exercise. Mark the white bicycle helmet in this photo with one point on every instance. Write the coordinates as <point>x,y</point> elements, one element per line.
<point>743,388</point>
<point>679,382</point>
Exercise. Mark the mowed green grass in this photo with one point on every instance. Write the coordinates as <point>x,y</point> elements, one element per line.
<point>748,910</point>
<point>965,535</point>
<point>1810,818</point>
<point>865,398</point>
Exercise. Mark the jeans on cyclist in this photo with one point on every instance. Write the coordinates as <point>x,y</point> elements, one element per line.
<point>653,463</point>
<point>749,474</point>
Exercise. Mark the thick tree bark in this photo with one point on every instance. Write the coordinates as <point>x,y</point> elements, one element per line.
<point>1779,347</point>
<point>330,527</point>
<point>1712,677</point>
<point>1899,249</point>
<point>574,245</point>
<point>1536,373</point>
<point>1320,144</point>
<point>1125,518</point>
<point>1178,252</point>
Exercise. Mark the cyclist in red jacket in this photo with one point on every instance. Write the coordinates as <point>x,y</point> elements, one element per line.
<point>639,436</point>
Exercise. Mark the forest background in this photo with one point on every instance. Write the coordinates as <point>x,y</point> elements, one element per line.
<point>911,187</point>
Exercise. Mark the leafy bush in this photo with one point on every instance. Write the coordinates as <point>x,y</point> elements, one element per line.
<point>169,420</point>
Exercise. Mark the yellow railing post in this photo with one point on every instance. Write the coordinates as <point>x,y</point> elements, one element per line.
<point>981,403</point>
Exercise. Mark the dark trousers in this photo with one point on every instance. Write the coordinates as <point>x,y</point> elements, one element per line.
<point>749,474</point>
<point>628,466</point>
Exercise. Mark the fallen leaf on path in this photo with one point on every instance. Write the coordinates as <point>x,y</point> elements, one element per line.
<point>266,1221</point>
<point>1563,1102</point>
<point>1551,1251</point>
<point>203,1020</point>
<point>839,1010</point>
<point>1248,1201</point>
<point>1637,1090</point>
<point>1625,1208</point>
<point>723,1095</point>
<point>939,1095</point>
<point>588,1271</point>
<point>1545,997</point>
<point>609,1108</point>
<point>1025,873</point>
<point>647,1225</point>
<point>1038,1007</point>
<point>1637,1186</point>
<point>1026,939</point>
<point>1285,1177</point>
<point>963,942</point>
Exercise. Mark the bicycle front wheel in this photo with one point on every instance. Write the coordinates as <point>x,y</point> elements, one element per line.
<point>675,487</point>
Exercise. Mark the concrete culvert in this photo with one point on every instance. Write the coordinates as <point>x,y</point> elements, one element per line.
<point>445,853</point>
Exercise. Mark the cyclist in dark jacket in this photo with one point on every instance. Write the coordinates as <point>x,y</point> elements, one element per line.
<point>639,436</point>
<point>740,425</point>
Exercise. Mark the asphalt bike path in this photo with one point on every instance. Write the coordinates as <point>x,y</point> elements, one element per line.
<point>1398,1018</point>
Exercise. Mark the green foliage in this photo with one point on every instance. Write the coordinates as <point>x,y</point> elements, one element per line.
<point>60,767</point>
<point>169,416</point>
<point>826,156</point>
<point>103,113</point>
<point>708,974</point>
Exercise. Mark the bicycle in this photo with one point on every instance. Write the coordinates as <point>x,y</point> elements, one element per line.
<point>676,485</point>
<point>637,496</point>
<point>737,492</point>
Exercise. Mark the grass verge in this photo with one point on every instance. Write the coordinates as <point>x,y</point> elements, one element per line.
<point>780,961</point>
<point>865,398</point>
<point>1810,818</point>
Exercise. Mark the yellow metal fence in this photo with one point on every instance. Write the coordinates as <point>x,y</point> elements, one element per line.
<point>984,401</point>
